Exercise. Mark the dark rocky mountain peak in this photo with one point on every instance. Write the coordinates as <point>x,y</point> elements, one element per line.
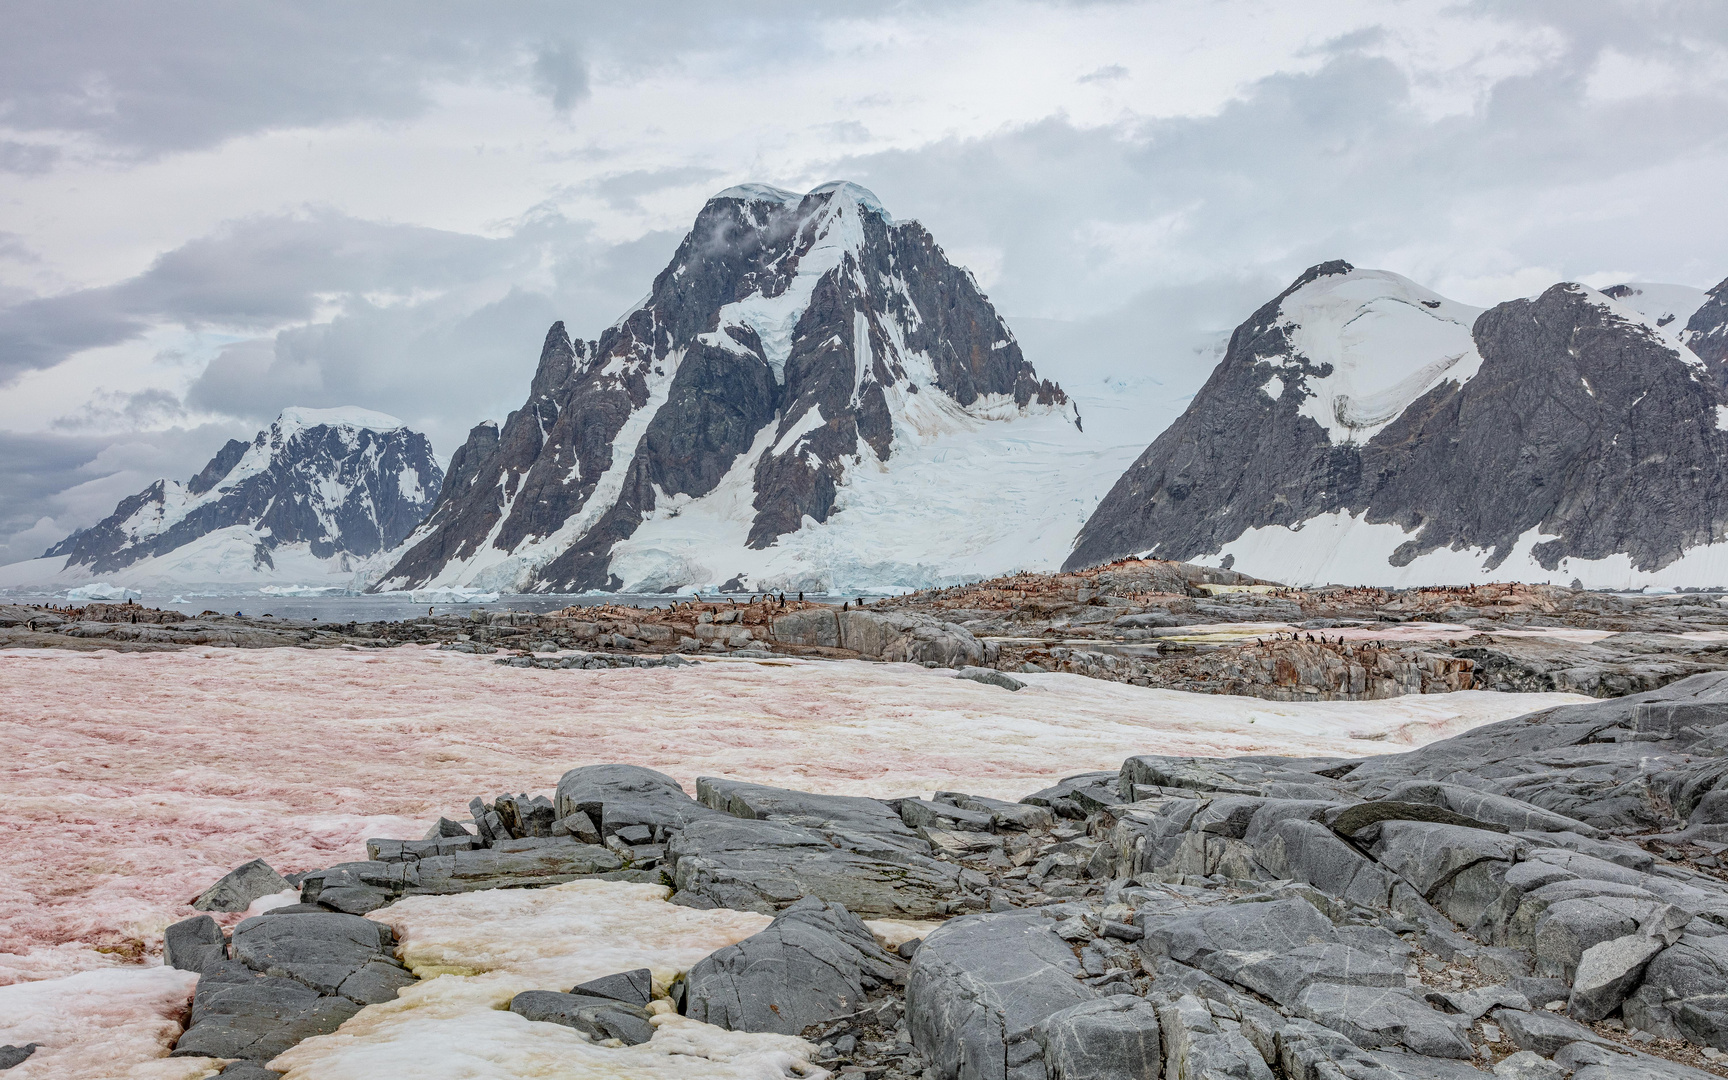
<point>343,484</point>
<point>1359,423</point>
<point>791,338</point>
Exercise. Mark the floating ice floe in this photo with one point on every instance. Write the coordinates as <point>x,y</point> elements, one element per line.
<point>449,595</point>
<point>101,590</point>
<point>303,590</point>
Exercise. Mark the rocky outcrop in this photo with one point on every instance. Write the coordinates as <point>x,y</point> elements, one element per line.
<point>790,338</point>
<point>293,975</point>
<point>1567,415</point>
<point>1497,898</point>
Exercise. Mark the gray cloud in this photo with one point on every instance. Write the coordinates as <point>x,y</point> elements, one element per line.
<point>623,191</point>
<point>560,74</point>
<point>141,80</point>
<point>1109,73</point>
<point>254,274</point>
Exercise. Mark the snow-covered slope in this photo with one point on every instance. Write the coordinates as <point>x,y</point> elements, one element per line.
<point>810,396</point>
<point>308,500</point>
<point>1363,430</point>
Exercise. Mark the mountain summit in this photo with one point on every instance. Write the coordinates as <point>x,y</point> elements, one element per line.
<point>810,396</point>
<point>314,494</point>
<point>1363,429</point>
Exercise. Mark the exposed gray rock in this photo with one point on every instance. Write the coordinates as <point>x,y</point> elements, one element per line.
<point>1541,1031</point>
<point>241,1013</point>
<point>1608,971</point>
<point>598,1018</point>
<point>1003,815</point>
<point>1381,1016</point>
<point>856,821</point>
<point>990,677</point>
<point>505,866</point>
<point>1115,1038</point>
<point>1198,1047</point>
<point>634,987</point>
<point>980,985</point>
<point>616,796</point>
<point>1277,949</point>
<point>1352,820</point>
<point>331,953</point>
<point>190,944</point>
<point>1471,1004</point>
<point>248,1070</point>
<point>240,886</point>
<point>14,1055</point>
<point>1599,1060</point>
<point>765,865</point>
<point>923,813</point>
<point>809,965</point>
<point>1528,1065</point>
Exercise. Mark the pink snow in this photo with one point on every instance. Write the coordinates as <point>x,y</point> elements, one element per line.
<point>135,780</point>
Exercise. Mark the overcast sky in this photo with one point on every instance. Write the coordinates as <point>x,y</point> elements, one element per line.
<point>211,211</point>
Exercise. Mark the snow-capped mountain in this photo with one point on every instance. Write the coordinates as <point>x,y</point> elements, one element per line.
<point>311,497</point>
<point>1363,429</point>
<point>810,396</point>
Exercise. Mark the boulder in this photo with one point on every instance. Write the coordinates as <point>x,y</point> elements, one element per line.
<point>615,796</point>
<point>511,864</point>
<point>1277,949</point>
<point>1198,1047</point>
<point>765,865</point>
<point>634,987</point>
<point>849,818</point>
<point>240,886</point>
<point>925,814</point>
<point>1601,1060</point>
<point>978,988</point>
<point>1541,1031</point>
<point>1607,972</point>
<point>1003,815</point>
<point>14,1055</point>
<point>192,943</point>
<point>1528,1065</point>
<point>241,1013</point>
<point>1115,1038</point>
<point>597,1017</point>
<point>330,953</point>
<point>990,677</point>
<point>1381,1016</point>
<point>810,964</point>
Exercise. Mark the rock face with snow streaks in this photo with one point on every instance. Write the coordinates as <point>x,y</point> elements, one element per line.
<point>345,483</point>
<point>1396,424</point>
<point>795,338</point>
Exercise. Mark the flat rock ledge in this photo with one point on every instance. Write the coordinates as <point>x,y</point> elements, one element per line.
<point>1536,898</point>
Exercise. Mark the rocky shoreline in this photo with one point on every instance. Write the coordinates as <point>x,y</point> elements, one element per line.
<point>1149,623</point>
<point>1534,897</point>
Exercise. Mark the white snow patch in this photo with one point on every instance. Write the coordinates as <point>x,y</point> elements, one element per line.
<point>1722,418</point>
<point>1273,388</point>
<point>964,493</point>
<point>1388,341</point>
<point>1339,548</point>
<point>1668,306</point>
<point>101,1025</point>
<point>475,952</point>
<point>297,418</point>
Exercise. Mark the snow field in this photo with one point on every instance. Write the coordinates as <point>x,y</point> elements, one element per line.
<point>135,780</point>
<point>478,951</point>
<point>101,1025</point>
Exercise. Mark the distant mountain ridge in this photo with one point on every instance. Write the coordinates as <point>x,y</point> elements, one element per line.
<point>797,354</point>
<point>1363,429</point>
<point>317,492</point>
